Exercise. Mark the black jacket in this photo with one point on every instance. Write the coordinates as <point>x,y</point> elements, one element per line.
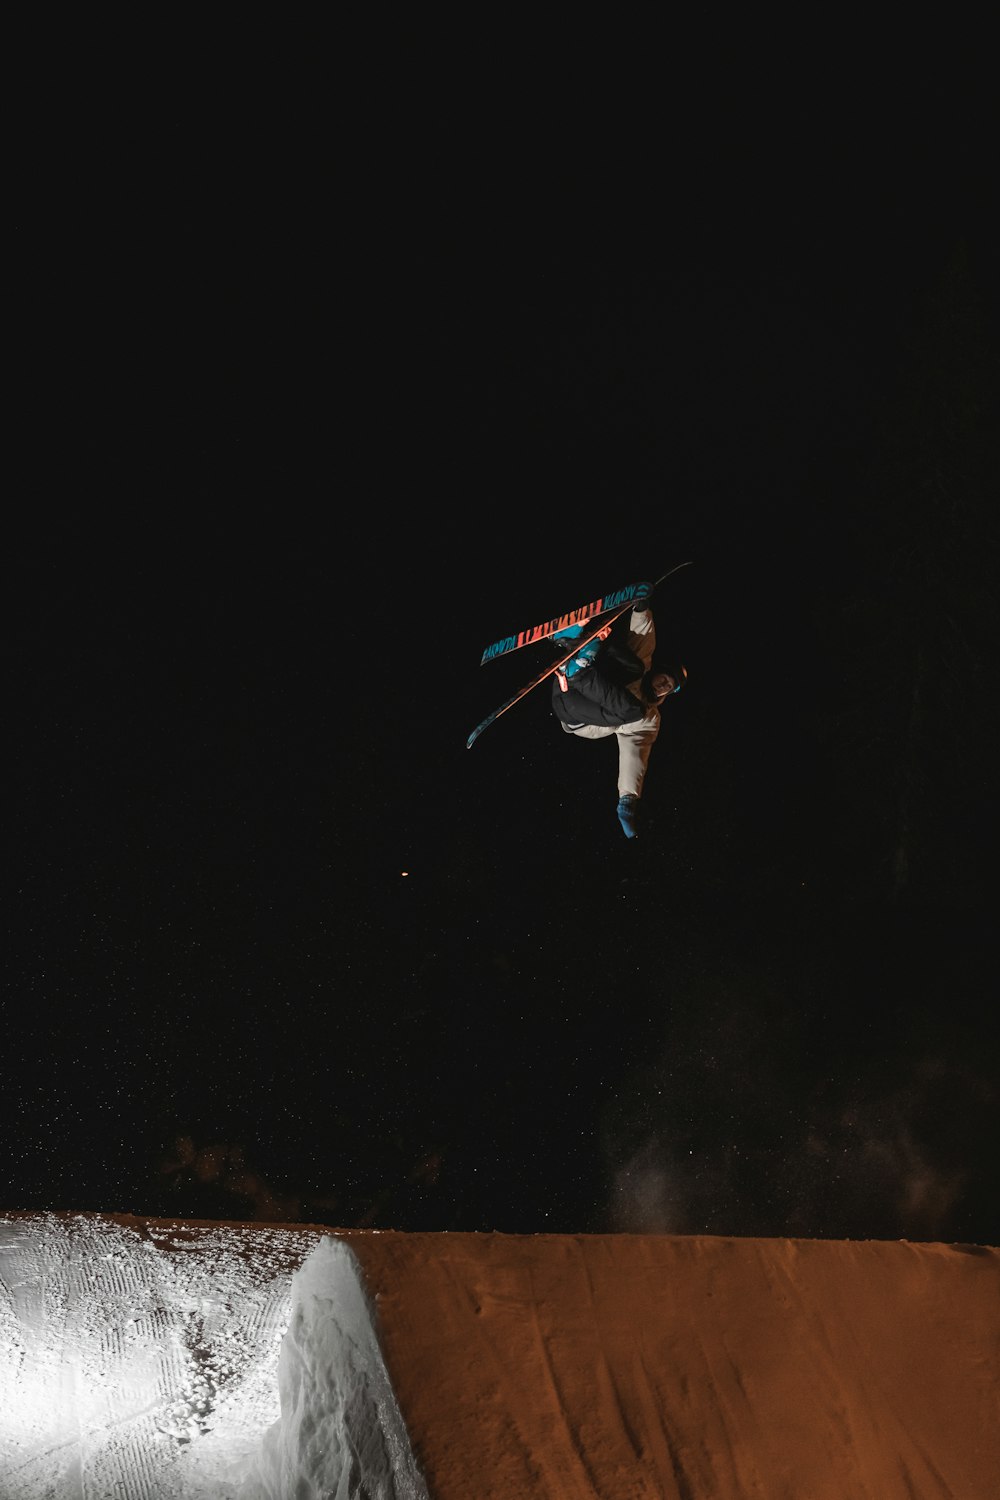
<point>598,694</point>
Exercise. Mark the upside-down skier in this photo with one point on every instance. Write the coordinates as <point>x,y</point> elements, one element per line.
<point>611,688</point>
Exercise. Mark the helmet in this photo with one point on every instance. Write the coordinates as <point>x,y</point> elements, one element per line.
<point>664,684</point>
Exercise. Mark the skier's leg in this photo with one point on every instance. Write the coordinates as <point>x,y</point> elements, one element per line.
<point>642,636</point>
<point>590,731</point>
<point>635,743</point>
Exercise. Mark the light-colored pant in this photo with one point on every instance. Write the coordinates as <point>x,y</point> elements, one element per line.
<point>636,740</point>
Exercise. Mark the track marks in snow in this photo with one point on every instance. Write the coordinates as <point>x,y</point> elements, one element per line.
<point>138,1364</point>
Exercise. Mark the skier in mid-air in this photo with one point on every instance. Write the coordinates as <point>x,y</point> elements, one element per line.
<point>610,687</point>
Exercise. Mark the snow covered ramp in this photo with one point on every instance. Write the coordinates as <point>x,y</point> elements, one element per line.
<point>147,1358</point>
<point>646,1367</point>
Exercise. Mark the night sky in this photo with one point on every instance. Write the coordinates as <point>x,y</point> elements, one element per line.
<point>309,417</point>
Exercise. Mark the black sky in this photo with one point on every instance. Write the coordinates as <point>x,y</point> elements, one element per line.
<point>310,418</point>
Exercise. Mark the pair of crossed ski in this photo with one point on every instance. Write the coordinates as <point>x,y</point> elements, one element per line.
<point>603,612</point>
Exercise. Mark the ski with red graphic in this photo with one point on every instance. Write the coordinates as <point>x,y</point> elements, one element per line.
<point>580,616</point>
<point>602,624</point>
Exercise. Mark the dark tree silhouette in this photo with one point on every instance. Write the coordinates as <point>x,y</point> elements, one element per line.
<point>910,727</point>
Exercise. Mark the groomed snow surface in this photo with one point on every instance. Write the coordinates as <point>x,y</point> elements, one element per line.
<point>150,1359</point>
<point>163,1361</point>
